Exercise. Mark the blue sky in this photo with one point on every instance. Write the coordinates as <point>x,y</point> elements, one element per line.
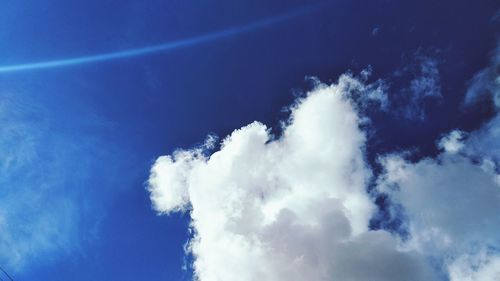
<point>77,142</point>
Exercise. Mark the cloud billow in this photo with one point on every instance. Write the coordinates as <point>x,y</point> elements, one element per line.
<point>292,208</point>
<point>296,207</point>
<point>453,200</point>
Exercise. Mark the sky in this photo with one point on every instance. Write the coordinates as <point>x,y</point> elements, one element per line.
<point>250,140</point>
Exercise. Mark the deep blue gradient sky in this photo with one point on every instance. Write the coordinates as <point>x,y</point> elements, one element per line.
<point>85,136</point>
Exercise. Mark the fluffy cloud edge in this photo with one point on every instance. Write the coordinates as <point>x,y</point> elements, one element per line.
<point>293,207</point>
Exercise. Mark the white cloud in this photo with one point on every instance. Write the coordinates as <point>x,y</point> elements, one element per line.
<point>478,267</point>
<point>485,142</point>
<point>291,208</point>
<point>486,83</point>
<point>296,207</point>
<point>452,143</point>
<point>452,206</point>
<point>452,202</point>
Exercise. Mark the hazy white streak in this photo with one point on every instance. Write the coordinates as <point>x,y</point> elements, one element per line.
<point>193,41</point>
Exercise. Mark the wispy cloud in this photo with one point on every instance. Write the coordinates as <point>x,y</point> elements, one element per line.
<point>37,212</point>
<point>164,47</point>
<point>43,173</point>
<point>424,85</point>
<point>486,83</point>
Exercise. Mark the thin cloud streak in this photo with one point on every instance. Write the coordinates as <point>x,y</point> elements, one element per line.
<point>165,47</point>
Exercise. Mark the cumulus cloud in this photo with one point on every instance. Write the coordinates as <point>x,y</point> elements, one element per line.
<point>452,142</point>
<point>452,201</point>
<point>485,87</point>
<point>296,207</point>
<point>485,142</point>
<point>482,266</point>
<point>287,208</point>
<point>452,204</point>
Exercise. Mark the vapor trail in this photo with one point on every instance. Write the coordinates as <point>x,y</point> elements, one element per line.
<point>188,42</point>
<point>6,274</point>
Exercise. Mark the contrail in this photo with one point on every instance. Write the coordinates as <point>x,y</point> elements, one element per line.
<point>6,274</point>
<point>188,42</point>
